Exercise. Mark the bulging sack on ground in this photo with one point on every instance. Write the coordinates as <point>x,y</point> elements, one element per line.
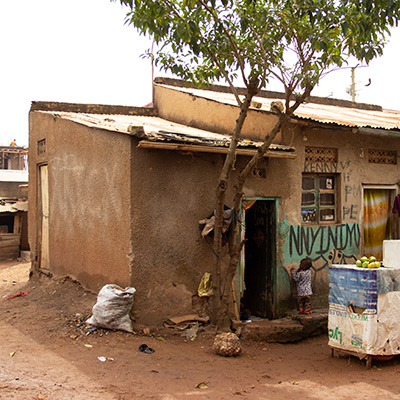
<point>111,310</point>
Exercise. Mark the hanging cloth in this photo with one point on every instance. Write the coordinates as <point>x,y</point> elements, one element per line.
<point>396,205</point>
<point>376,221</point>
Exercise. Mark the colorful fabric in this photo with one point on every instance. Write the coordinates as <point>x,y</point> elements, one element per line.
<point>303,282</point>
<point>376,221</point>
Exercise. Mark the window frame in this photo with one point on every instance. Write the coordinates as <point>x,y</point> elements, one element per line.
<point>317,191</point>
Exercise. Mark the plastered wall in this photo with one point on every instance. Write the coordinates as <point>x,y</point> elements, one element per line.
<point>171,192</point>
<point>89,200</point>
<point>210,115</point>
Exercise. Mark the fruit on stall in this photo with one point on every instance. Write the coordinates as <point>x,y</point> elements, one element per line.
<point>368,262</point>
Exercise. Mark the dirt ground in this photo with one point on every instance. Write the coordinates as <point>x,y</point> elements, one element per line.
<point>47,352</point>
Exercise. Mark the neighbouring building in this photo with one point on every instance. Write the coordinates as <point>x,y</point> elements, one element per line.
<point>116,194</point>
<point>13,201</point>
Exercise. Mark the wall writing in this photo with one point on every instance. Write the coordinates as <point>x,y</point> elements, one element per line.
<point>351,192</point>
<point>350,212</point>
<point>325,167</point>
<point>315,241</point>
<point>325,245</point>
<point>320,167</point>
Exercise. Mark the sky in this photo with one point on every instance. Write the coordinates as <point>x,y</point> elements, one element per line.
<point>80,51</point>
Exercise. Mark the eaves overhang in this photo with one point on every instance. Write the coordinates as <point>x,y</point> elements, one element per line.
<point>157,133</point>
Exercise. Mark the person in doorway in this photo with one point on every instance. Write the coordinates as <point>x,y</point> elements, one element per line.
<point>302,277</point>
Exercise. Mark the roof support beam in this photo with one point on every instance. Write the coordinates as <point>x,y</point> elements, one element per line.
<point>145,144</point>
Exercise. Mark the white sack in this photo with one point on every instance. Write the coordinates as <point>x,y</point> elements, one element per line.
<point>111,310</point>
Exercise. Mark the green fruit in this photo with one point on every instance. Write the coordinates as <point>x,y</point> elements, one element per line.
<point>364,259</point>
<point>359,263</point>
<point>365,264</point>
<point>372,259</point>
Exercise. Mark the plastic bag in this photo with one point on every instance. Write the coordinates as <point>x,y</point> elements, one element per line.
<point>205,286</point>
<point>111,310</point>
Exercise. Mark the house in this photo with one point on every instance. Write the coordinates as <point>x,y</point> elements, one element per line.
<point>13,202</point>
<point>116,193</point>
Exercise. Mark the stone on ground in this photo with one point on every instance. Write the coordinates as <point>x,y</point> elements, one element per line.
<point>227,345</point>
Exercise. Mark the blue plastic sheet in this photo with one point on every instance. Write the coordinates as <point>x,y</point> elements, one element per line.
<point>353,286</point>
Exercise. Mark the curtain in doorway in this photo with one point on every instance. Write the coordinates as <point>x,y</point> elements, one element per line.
<point>376,221</point>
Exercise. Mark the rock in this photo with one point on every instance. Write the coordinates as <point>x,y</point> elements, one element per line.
<point>227,344</point>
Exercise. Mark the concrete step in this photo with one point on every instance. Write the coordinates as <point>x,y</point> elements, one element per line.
<point>293,328</point>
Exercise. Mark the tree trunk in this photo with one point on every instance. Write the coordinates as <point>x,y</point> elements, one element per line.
<point>222,286</point>
<point>220,309</point>
<point>235,246</point>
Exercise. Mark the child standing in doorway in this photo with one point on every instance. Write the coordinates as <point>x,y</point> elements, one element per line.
<point>302,277</point>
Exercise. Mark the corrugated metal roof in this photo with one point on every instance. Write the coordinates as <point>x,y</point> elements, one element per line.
<point>327,114</point>
<point>350,116</point>
<point>159,130</point>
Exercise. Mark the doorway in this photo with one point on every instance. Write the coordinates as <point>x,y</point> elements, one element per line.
<point>259,257</point>
<point>43,225</point>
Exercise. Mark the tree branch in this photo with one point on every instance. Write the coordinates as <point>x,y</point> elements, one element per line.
<point>230,83</point>
<point>229,37</point>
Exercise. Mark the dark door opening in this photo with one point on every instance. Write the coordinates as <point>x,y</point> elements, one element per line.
<point>6,224</point>
<point>258,296</point>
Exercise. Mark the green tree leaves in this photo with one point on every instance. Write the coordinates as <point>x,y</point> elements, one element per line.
<point>295,41</point>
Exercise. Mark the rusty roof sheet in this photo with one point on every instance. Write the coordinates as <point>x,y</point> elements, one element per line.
<point>159,130</point>
<point>351,117</point>
<point>327,114</point>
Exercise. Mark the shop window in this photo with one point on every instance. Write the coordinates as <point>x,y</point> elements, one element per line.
<point>318,198</point>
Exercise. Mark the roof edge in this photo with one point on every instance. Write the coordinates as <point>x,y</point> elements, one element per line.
<point>196,148</point>
<point>268,94</point>
<point>93,108</point>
